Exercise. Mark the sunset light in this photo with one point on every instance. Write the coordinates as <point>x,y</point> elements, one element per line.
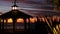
<point>30,16</point>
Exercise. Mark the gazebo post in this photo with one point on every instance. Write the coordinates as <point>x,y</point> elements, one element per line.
<point>37,26</point>
<point>6,25</point>
<point>25,25</point>
<point>13,24</point>
<point>0,25</point>
<point>3,26</point>
<point>29,25</point>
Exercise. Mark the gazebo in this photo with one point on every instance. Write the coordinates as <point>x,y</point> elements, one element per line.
<point>13,18</point>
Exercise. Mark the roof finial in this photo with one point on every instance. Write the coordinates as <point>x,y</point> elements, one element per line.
<point>15,7</point>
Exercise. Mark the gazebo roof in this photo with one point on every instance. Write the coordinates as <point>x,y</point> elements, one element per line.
<point>17,14</point>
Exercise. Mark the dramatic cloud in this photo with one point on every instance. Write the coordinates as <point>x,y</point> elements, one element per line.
<point>34,7</point>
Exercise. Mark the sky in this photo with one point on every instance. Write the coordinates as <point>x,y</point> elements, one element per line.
<point>31,7</point>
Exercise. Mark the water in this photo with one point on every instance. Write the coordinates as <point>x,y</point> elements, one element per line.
<point>17,26</point>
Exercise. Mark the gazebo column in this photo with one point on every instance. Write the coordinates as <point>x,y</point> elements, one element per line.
<point>6,25</point>
<point>3,25</point>
<point>0,25</point>
<point>29,25</point>
<point>13,24</point>
<point>37,26</point>
<point>25,25</point>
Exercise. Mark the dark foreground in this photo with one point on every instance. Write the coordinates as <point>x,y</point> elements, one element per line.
<point>22,32</point>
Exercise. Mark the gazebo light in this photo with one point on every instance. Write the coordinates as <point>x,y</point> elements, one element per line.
<point>14,8</point>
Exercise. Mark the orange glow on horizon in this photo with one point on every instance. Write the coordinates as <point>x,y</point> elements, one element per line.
<point>27,20</point>
<point>43,19</point>
<point>33,20</point>
<point>1,20</point>
<point>20,20</point>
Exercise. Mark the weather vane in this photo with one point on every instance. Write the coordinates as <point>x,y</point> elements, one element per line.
<point>14,2</point>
